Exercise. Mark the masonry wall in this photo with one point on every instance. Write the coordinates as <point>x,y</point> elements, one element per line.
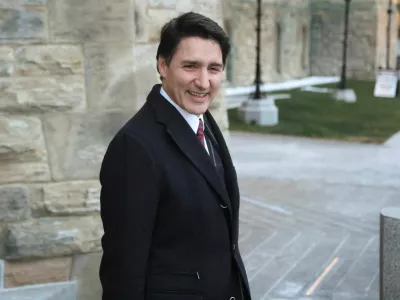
<point>366,40</point>
<point>71,73</point>
<point>285,34</point>
<point>311,39</point>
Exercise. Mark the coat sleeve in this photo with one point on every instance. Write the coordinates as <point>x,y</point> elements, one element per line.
<point>129,200</point>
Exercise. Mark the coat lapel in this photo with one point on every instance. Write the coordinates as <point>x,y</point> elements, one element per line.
<point>187,141</point>
<point>230,172</point>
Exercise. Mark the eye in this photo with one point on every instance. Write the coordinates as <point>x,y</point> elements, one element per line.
<point>215,69</point>
<point>188,66</point>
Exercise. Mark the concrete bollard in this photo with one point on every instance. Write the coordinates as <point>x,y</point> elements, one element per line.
<point>390,253</point>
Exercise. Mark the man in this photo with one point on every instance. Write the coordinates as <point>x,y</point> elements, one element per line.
<point>169,198</point>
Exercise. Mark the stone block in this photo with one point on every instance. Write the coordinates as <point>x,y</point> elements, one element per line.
<point>49,60</point>
<point>14,203</point>
<point>72,198</point>
<point>211,9</point>
<point>91,21</point>
<point>158,18</point>
<point>6,61</point>
<point>171,4</point>
<point>49,237</point>
<point>21,3</point>
<point>42,94</point>
<point>36,202</point>
<point>85,270</point>
<point>77,142</point>
<point>23,156</point>
<point>390,254</point>
<point>21,139</point>
<point>144,75</point>
<point>23,25</point>
<point>109,76</point>
<point>20,273</point>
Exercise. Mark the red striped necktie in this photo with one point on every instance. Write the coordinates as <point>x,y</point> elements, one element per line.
<point>200,132</point>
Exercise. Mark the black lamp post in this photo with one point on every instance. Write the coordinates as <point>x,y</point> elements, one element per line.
<point>389,11</point>
<point>342,83</point>
<point>257,94</point>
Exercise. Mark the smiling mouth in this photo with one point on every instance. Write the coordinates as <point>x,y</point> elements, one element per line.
<point>201,95</point>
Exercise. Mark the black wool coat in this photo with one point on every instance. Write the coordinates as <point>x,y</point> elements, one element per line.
<point>170,223</point>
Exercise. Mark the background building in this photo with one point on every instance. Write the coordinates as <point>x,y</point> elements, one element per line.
<point>304,38</point>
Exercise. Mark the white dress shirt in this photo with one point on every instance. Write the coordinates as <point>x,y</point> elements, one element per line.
<point>191,119</point>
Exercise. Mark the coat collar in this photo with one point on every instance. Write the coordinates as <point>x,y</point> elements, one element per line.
<point>187,142</point>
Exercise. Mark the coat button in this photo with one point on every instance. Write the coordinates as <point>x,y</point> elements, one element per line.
<point>223,206</point>
<point>234,247</point>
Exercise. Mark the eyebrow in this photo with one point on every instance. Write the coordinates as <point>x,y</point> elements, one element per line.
<point>196,62</point>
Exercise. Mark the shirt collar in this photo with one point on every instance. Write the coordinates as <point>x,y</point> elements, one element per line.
<point>191,119</point>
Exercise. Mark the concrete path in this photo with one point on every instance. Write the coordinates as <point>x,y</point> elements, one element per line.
<point>310,215</point>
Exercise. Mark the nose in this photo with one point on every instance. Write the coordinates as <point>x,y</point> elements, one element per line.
<point>203,80</point>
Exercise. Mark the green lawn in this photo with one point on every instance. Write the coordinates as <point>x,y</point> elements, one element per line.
<point>369,120</point>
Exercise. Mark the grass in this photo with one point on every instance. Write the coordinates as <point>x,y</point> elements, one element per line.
<point>318,115</point>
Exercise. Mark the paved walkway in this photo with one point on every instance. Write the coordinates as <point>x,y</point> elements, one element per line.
<point>310,215</point>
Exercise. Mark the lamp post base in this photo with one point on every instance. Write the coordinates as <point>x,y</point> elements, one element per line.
<point>262,112</point>
<point>346,95</point>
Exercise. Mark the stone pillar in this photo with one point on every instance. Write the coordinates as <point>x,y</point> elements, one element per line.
<point>390,254</point>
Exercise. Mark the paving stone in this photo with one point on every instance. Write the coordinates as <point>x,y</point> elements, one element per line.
<point>348,255</point>
<point>308,269</point>
<point>274,270</point>
<point>362,271</point>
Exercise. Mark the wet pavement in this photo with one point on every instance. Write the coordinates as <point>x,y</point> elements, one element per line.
<point>310,214</point>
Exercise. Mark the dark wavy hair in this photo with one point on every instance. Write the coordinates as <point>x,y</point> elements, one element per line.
<point>190,25</point>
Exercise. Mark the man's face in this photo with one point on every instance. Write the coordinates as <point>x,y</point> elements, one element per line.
<point>194,75</point>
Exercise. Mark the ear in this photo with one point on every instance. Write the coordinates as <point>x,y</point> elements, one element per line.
<point>162,66</point>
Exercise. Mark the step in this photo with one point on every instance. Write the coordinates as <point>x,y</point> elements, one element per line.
<point>49,291</point>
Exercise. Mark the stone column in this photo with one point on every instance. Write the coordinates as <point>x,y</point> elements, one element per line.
<point>390,254</point>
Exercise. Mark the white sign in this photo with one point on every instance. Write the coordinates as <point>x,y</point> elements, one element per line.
<point>386,84</point>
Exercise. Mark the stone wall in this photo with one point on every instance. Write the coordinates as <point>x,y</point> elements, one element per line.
<point>311,40</point>
<point>285,40</point>
<point>71,73</point>
<point>366,42</point>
